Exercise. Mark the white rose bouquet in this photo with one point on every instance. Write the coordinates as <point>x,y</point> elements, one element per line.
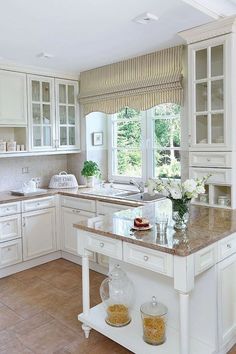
<point>180,194</point>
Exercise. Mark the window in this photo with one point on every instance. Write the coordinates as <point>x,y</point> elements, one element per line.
<point>145,144</point>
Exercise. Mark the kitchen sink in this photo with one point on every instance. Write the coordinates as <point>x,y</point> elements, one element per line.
<point>143,197</point>
<point>108,192</point>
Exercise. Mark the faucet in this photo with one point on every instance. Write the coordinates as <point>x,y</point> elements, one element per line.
<point>140,185</point>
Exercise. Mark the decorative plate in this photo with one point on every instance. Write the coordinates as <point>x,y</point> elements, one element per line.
<point>142,228</point>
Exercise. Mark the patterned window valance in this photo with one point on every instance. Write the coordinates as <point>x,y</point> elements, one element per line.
<point>140,83</point>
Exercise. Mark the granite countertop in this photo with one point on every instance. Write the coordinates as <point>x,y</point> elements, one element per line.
<point>81,192</point>
<point>206,226</point>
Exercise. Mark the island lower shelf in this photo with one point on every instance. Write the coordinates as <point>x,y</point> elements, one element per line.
<point>130,336</point>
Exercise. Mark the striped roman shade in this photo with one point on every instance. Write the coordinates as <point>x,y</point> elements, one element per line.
<point>140,83</point>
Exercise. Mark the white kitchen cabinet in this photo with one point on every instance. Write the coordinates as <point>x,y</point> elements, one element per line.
<point>13,99</point>
<point>41,107</point>
<point>10,253</point>
<point>226,300</point>
<point>67,128</point>
<point>10,227</point>
<point>104,208</point>
<point>69,217</point>
<point>38,232</point>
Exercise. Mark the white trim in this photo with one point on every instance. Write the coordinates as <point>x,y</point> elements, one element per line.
<point>34,70</point>
<point>203,9</point>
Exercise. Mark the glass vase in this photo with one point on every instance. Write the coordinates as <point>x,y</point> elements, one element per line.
<point>180,213</point>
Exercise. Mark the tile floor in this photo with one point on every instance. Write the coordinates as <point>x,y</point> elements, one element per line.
<point>38,312</point>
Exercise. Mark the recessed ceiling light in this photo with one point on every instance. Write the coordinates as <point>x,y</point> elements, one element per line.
<point>45,55</point>
<point>145,18</point>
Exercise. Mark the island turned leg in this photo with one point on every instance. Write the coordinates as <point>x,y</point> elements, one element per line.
<point>184,323</point>
<point>85,294</point>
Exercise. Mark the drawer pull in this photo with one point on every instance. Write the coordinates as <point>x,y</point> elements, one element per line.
<point>208,159</point>
<point>229,245</point>
<point>7,209</point>
<point>101,244</point>
<point>146,258</point>
<point>38,203</point>
<point>9,249</point>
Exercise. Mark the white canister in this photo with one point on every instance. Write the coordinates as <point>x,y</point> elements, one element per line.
<point>3,146</point>
<point>11,145</point>
<point>203,198</point>
<point>22,147</point>
<point>223,200</point>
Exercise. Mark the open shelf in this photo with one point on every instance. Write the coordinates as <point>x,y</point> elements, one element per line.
<point>130,336</point>
<point>17,134</point>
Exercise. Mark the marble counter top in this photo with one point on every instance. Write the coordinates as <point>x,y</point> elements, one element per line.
<point>206,226</point>
<point>6,197</point>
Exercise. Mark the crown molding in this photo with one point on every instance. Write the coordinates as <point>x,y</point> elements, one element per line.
<point>212,29</point>
<point>11,66</point>
<point>203,9</point>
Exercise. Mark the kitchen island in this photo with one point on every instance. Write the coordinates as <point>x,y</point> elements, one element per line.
<point>192,273</point>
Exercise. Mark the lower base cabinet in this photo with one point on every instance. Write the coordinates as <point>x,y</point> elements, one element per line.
<point>70,217</point>
<point>38,232</point>
<point>227,300</point>
<point>10,252</point>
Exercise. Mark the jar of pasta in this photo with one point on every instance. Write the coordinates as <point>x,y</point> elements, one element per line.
<point>154,317</point>
<point>117,295</point>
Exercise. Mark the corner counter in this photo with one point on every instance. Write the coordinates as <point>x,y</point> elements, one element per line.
<point>192,272</point>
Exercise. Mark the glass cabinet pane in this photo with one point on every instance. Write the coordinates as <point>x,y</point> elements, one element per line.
<point>35,91</point>
<point>201,64</point>
<point>217,59</point>
<point>46,114</point>
<point>71,115</point>
<point>217,98</point>
<point>63,136</point>
<point>217,128</point>
<point>201,97</point>
<point>62,93</point>
<point>45,92</point>
<point>62,113</point>
<point>71,94</point>
<point>47,136</point>
<point>71,135</point>
<point>36,113</point>
<point>37,136</point>
<point>202,129</point>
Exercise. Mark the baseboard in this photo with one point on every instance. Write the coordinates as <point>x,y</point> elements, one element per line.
<point>19,267</point>
<point>78,260</point>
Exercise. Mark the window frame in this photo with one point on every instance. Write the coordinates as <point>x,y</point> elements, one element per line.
<point>147,147</point>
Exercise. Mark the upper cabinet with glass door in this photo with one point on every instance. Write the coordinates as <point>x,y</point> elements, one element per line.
<point>208,79</point>
<point>67,114</point>
<point>41,113</point>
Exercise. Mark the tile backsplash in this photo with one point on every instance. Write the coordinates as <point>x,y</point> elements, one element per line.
<point>11,176</point>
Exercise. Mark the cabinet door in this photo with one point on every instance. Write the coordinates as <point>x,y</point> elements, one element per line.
<point>10,227</point>
<point>226,300</point>
<point>41,113</point>
<point>67,114</point>
<point>69,238</point>
<point>209,92</point>
<point>13,99</point>
<point>39,235</point>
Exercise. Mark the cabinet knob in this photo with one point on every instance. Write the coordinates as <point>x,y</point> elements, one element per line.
<point>208,159</point>
<point>229,245</point>
<point>146,258</point>
<point>101,244</point>
<point>9,248</point>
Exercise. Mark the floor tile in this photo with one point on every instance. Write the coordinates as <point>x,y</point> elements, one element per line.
<point>8,317</point>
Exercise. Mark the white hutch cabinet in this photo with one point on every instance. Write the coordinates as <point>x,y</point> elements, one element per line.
<point>212,106</point>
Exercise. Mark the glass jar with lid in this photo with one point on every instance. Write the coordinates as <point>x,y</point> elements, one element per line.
<point>154,317</point>
<point>117,294</point>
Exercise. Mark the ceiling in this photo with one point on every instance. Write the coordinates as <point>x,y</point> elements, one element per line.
<point>83,34</point>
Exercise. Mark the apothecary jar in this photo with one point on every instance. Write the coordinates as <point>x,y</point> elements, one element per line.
<point>117,294</point>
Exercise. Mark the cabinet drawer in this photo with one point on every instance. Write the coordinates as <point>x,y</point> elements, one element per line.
<point>10,227</point>
<point>104,245</point>
<point>10,208</point>
<point>218,176</point>
<point>104,208</point>
<point>156,261</point>
<point>205,259</point>
<point>37,204</point>
<point>79,203</point>
<point>10,253</point>
<point>213,159</point>
<point>226,247</point>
